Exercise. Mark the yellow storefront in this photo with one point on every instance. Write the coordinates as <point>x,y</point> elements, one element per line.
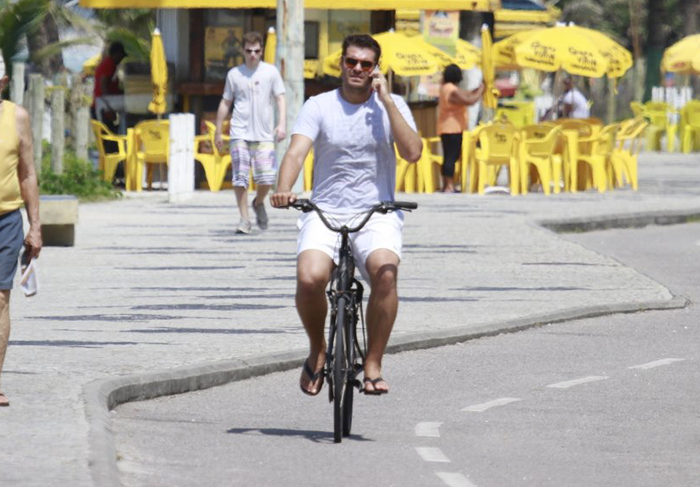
<point>202,37</point>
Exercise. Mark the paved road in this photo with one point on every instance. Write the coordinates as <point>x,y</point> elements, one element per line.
<point>606,401</point>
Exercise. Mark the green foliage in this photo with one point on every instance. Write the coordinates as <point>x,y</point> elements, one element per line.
<point>17,20</point>
<point>79,178</point>
<point>136,38</point>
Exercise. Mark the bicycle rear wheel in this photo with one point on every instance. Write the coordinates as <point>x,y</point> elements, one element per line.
<point>339,371</point>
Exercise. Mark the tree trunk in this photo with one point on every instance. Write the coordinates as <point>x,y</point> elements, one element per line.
<point>47,33</point>
<point>656,42</point>
<point>691,10</point>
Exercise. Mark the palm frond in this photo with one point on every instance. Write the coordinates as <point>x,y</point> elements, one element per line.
<point>57,47</point>
<point>17,20</point>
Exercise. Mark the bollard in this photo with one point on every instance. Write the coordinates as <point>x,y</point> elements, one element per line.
<point>181,159</point>
<point>17,85</point>
<point>58,124</point>
<point>36,101</point>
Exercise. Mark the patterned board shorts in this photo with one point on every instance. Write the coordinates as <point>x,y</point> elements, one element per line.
<point>259,155</point>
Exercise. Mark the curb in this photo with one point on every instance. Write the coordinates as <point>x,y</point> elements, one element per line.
<point>633,220</point>
<point>101,396</point>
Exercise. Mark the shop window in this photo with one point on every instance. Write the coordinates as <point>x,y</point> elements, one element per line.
<point>311,33</point>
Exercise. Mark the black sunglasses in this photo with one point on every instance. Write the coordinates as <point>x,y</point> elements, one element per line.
<point>351,62</point>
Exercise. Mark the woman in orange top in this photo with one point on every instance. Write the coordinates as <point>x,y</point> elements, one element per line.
<point>452,121</point>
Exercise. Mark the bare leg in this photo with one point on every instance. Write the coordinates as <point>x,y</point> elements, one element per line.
<point>4,325</point>
<point>242,200</point>
<point>382,267</point>
<point>313,273</point>
<point>263,189</point>
<point>448,184</point>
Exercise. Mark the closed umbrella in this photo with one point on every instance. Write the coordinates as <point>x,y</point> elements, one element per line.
<point>488,68</point>
<point>159,75</point>
<point>270,46</point>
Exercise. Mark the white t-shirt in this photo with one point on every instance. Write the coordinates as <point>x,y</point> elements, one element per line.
<point>252,92</point>
<point>354,158</point>
<point>578,102</point>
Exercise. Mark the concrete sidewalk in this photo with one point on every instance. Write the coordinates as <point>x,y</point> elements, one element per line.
<point>153,287</point>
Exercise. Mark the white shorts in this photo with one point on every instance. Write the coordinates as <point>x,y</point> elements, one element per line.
<point>381,232</point>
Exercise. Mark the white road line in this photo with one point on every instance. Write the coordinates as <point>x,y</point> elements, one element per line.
<point>431,454</point>
<point>480,408</point>
<point>454,479</point>
<point>657,363</point>
<point>576,382</point>
<point>428,430</point>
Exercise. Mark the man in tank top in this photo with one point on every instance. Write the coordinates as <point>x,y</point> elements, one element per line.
<point>18,185</point>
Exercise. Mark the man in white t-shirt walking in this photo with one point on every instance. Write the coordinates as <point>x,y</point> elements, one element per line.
<point>353,130</point>
<point>573,103</point>
<point>250,88</point>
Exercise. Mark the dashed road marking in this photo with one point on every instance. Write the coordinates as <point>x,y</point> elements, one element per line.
<point>428,430</point>
<point>454,479</point>
<point>576,382</point>
<point>432,454</point>
<point>480,408</point>
<point>657,363</point>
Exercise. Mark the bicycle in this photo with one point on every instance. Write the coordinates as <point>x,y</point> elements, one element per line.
<point>345,353</point>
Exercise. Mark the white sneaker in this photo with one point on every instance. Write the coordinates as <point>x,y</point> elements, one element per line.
<point>260,215</point>
<point>244,227</point>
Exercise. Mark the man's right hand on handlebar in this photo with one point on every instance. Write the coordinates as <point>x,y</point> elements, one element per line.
<point>282,199</point>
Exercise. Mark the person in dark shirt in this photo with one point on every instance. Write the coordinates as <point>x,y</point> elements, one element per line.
<point>106,83</point>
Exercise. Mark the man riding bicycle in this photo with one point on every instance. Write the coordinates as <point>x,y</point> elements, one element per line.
<point>353,130</point>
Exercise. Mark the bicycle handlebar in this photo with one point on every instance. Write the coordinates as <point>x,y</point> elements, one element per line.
<point>384,207</point>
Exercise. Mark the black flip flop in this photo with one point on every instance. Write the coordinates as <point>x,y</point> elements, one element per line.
<point>374,382</point>
<point>314,377</point>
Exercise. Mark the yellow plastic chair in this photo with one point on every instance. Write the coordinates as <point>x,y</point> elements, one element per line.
<point>470,169</point>
<point>520,114</point>
<point>406,174</point>
<point>690,127</point>
<point>309,171</point>
<point>152,138</point>
<point>497,148</point>
<point>429,166</point>
<point>637,108</point>
<point>108,161</point>
<point>537,146</point>
<point>214,162</point>
<point>599,151</point>
<point>628,143</point>
<point>657,114</point>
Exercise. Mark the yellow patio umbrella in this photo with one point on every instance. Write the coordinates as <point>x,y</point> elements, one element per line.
<point>683,57</point>
<point>467,55</point>
<point>270,46</point>
<point>577,50</point>
<point>488,68</point>
<point>91,64</point>
<point>159,75</point>
<point>404,55</point>
<point>504,50</point>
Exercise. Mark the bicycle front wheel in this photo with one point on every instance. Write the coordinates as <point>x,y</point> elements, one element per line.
<point>339,370</point>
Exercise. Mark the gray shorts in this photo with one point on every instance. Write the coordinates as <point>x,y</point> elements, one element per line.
<point>11,242</point>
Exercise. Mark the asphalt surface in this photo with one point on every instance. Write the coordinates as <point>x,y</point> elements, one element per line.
<point>603,401</point>
<point>157,298</point>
